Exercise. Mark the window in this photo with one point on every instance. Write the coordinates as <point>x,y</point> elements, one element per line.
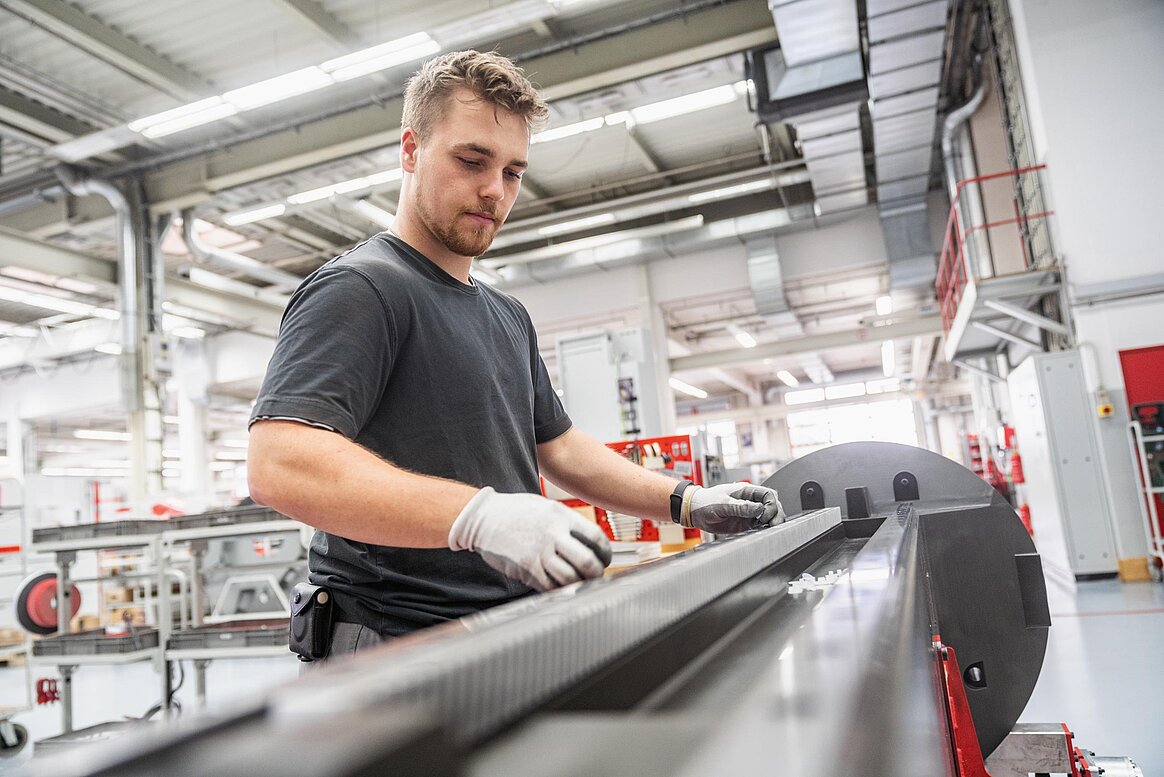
<point>887,420</point>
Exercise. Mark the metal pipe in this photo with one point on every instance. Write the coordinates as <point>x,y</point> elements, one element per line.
<point>952,157</point>
<point>133,373</point>
<point>229,261</point>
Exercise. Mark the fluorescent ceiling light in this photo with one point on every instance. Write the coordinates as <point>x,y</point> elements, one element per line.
<point>32,276</point>
<point>175,114</point>
<point>188,332</point>
<point>272,90</point>
<point>101,434</point>
<point>577,224</point>
<point>845,391</point>
<point>233,443</point>
<point>374,214</point>
<point>804,396</point>
<point>596,241</point>
<point>81,472</point>
<point>231,455</point>
<point>170,419</point>
<point>888,358</point>
<point>884,305</point>
<point>742,337</point>
<point>882,386</point>
<point>385,55</point>
<point>568,130</point>
<point>219,110</point>
<point>688,103</point>
<point>113,349</point>
<point>255,214</point>
<point>345,187</point>
<point>76,286</point>
<point>48,302</point>
<point>731,191</point>
<point>787,378</point>
<point>687,388</point>
<point>11,330</point>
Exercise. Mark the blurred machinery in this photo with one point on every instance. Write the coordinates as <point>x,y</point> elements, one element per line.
<point>894,625</point>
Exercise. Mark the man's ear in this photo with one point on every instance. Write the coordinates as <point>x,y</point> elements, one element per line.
<point>409,147</point>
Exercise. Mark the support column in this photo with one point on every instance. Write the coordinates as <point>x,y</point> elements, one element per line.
<point>651,319</point>
<point>190,369</point>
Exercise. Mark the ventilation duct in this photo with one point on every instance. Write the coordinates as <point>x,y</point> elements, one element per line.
<point>906,47</point>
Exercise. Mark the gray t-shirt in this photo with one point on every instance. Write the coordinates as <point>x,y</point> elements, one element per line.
<point>438,377</point>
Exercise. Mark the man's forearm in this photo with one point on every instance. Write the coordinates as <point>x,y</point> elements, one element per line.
<point>589,470</point>
<point>323,479</point>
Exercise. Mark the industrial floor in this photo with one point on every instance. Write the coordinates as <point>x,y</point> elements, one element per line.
<point>1102,676</point>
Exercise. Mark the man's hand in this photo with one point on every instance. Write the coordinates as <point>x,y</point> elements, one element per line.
<point>730,508</point>
<point>530,538</point>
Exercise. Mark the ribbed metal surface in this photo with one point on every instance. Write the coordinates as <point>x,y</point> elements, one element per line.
<point>548,643</point>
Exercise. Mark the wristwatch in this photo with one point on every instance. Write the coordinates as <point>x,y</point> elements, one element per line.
<point>677,500</point>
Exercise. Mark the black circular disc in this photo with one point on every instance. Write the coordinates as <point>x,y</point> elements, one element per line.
<point>986,583</point>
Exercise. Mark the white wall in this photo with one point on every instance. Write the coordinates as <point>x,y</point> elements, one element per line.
<point>1093,75</point>
<point>1093,78</point>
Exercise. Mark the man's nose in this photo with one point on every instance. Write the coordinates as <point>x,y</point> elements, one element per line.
<point>493,188</point>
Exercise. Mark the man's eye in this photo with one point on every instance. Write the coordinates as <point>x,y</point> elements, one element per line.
<point>469,162</point>
<point>513,175</point>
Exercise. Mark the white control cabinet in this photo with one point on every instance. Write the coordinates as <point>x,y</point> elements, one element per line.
<point>1070,509</point>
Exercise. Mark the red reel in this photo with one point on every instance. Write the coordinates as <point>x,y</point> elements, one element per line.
<point>36,603</point>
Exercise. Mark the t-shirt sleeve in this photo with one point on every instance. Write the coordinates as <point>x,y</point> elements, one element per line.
<point>550,418</point>
<point>334,353</point>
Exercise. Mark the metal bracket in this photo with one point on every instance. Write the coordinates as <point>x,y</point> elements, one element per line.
<point>905,487</point>
<point>1027,316</point>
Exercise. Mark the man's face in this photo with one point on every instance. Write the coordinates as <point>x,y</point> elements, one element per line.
<point>468,172</point>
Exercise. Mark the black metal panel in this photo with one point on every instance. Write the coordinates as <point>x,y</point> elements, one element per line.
<point>989,605</point>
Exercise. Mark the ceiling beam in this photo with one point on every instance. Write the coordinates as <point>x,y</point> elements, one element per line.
<point>324,23</point>
<point>17,250</point>
<point>923,325</point>
<point>644,152</point>
<point>83,31</point>
<point>37,123</point>
<point>716,31</point>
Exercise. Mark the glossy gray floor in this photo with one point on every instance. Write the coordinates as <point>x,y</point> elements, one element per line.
<point>1103,676</point>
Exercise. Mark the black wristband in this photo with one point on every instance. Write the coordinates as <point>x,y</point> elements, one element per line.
<point>677,500</point>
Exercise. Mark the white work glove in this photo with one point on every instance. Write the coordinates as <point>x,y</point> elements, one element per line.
<point>730,508</point>
<point>530,538</point>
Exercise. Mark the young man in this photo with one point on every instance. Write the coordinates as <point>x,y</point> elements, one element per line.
<point>406,411</point>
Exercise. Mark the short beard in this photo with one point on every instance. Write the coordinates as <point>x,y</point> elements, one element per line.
<point>471,241</point>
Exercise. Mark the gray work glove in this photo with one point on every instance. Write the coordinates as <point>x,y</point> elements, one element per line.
<point>730,508</point>
<point>530,538</point>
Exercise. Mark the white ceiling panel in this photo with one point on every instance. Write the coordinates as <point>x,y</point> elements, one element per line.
<point>827,123</point>
<point>902,132</point>
<point>906,51</point>
<point>815,30</point>
<point>831,203</point>
<point>915,161</point>
<point>879,7</point>
<point>831,144</point>
<point>922,99</point>
<point>908,20</point>
<point>899,190</point>
<point>905,80</point>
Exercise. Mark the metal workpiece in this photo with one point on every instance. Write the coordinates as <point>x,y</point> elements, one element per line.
<point>855,691</point>
<point>1047,748</point>
<point>984,577</point>
<point>523,654</point>
<point>707,662</point>
<point>464,681</point>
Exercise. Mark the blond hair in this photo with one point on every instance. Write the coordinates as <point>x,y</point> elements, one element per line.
<point>490,76</point>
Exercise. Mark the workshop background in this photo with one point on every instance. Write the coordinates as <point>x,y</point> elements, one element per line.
<point>750,230</point>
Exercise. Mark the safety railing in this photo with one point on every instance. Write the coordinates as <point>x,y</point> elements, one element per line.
<point>954,267</point>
